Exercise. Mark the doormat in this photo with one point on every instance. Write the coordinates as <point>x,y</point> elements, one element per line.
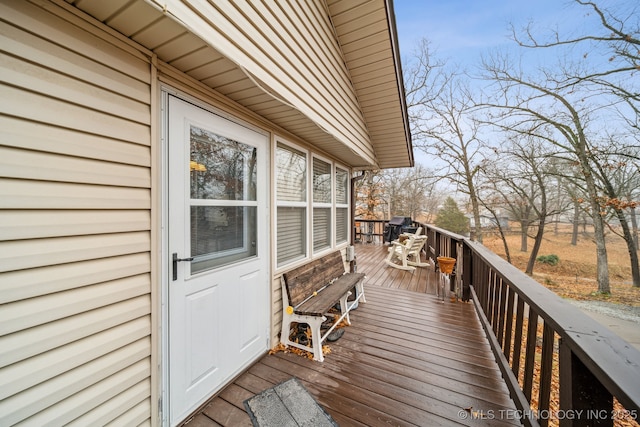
<point>287,404</point>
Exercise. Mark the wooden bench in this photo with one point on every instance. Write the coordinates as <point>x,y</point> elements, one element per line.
<point>310,291</point>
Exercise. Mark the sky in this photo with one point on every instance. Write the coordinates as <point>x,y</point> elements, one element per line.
<point>461,30</point>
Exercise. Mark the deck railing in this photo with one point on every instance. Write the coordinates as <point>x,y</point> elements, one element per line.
<point>369,230</point>
<point>541,342</point>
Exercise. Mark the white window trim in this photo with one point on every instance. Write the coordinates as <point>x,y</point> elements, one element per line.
<point>310,205</point>
<point>323,205</point>
<point>285,203</point>
<point>337,205</point>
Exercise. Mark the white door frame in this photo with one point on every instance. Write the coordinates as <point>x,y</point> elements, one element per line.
<point>166,273</point>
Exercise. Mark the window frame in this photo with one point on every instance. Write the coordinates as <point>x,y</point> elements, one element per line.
<point>323,205</point>
<point>291,204</point>
<point>337,206</point>
<point>309,205</point>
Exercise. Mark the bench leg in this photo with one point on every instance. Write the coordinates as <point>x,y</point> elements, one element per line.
<point>314,323</point>
<point>316,337</point>
<point>344,309</point>
<point>360,290</point>
<point>285,331</point>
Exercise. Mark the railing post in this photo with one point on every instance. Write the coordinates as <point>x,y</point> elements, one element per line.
<point>581,394</point>
<point>546,373</point>
<point>517,338</point>
<point>530,353</point>
<point>508,329</point>
<point>467,271</point>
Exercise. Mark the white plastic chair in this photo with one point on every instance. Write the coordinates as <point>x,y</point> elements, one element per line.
<point>406,255</point>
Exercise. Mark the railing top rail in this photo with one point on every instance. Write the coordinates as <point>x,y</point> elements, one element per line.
<point>450,235</point>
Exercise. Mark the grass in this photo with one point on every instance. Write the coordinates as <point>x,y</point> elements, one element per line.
<point>575,274</point>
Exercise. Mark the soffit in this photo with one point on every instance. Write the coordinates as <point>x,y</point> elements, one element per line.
<point>362,31</point>
<point>367,35</point>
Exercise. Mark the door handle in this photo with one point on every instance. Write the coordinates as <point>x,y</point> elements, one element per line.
<point>176,260</point>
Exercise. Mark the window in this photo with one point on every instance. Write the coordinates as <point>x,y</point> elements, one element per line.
<point>291,195</point>
<point>342,206</point>
<point>321,205</point>
<point>223,200</point>
<point>312,204</point>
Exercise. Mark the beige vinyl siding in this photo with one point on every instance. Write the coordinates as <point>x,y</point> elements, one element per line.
<point>276,309</point>
<point>75,222</point>
<point>289,50</point>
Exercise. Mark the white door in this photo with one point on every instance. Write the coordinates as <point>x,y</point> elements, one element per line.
<point>218,296</point>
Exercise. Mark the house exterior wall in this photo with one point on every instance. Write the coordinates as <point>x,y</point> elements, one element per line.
<point>79,214</point>
<point>75,223</point>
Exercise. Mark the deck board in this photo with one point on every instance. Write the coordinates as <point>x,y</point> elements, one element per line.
<point>408,359</point>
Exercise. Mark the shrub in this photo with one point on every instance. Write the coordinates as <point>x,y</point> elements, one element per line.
<point>548,259</point>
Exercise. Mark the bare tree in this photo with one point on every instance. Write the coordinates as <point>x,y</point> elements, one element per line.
<point>618,182</point>
<point>527,186</point>
<point>369,196</point>
<point>616,37</point>
<point>409,190</point>
<point>442,124</point>
<point>549,114</point>
<point>571,185</point>
<point>493,201</point>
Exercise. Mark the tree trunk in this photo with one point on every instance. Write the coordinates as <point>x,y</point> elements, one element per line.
<point>536,247</point>
<point>476,211</point>
<point>576,224</point>
<point>504,243</point>
<point>542,219</point>
<point>634,228</point>
<point>626,230</point>
<point>631,247</point>
<point>602,264</point>
<point>524,228</point>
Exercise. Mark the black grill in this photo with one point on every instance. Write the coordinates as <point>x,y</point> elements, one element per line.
<point>398,225</point>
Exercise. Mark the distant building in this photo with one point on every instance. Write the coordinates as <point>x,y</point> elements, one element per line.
<point>489,222</point>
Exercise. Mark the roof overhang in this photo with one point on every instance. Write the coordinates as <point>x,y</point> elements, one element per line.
<point>366,31</point>
<point>180,36</point>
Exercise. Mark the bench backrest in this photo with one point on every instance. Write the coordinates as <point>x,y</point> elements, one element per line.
<point>303,281</point>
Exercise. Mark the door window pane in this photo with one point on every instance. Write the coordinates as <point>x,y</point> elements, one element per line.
<point>221,168</point>
<point>221,235</point>
<point>222,174</point>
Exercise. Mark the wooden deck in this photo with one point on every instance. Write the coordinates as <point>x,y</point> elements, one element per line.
<point>408,359</point>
